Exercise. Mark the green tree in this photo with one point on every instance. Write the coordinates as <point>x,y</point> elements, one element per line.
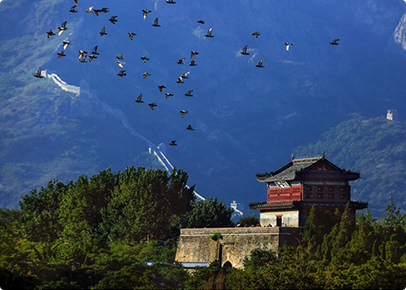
<point>208,213</point>
<point>248,221</point>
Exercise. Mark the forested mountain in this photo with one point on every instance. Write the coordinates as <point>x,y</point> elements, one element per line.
<point>246,119</point>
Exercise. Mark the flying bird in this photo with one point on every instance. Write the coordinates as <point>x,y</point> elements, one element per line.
<point>209,32</point>
<point>287,45</point>
<point>170,2</point>
<point>120,63</point>
<point>72,9</point>
<point>244,50</point>
<point>103,31</point>
<point>145,12</point>
<point>89,10</point>
<point>173,143</point>
<point>122,73</point>
<point>335,41</point>
<point>190,128</point>
<point>82,58</point>
<point>255,34</point>
<point>180,61</point>
<point>185,75</point>
<point>189,93</point>
<point>61,53</point>
<point>152,105</point>
<point>62,28</point>
<point>160,87</point>
<point>39,74</point>
<point>183,113</point>
<point>113,19</point>
<point>179,80</point>
<point>144,59</point>
<point>138,100</point>
<point>131,35</point>
<point>95,50</point>
<point>65,44</point>
<point>192,62</point>
<point>91,57</point>
<point>50,33</point>
<point>167,95</point>
<point>201,21</point>
<point>259,63</point>
<point>156,23</point>
<point>145,74</point>
<point>120,56</point>
<point>76,2</point>
<point>193,54</point>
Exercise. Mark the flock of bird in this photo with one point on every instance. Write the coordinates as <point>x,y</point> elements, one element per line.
<point>84,56</point>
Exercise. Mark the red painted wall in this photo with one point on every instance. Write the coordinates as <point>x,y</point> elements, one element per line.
<point>277,194</point>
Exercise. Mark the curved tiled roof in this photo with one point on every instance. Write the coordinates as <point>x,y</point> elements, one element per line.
<point>301,168</point>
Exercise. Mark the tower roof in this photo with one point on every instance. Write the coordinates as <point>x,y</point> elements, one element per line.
<point>308,168</point>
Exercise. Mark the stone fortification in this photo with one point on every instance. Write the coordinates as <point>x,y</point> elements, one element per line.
<point>195,245</point>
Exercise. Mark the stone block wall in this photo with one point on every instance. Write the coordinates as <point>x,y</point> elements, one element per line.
<point>195,245</point>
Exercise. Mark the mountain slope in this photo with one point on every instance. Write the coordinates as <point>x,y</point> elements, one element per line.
<point>374,147</point>
<point>247,119</point>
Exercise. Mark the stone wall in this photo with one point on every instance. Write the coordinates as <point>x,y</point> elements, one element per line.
<point>195,245</point>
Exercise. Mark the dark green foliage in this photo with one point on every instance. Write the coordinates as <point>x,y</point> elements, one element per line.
<point>209,213</point>
<point>248,221</point>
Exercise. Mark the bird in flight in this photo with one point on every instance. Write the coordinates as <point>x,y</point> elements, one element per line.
<point>184,76</point>
<point>121,73</point>
<point>144,59</point>
<point>167,95</point>
<point>335,41</point>
<point>201,21</point>
<point>138,100</point>
<point>120,56</point>
<point>120,63</point>
<point>183,113</point>
<point>145,74</point>
<point>72,9</point>
<point>61,53</point>
<point>190,128</point>
<point>91,57</point>
<point>95,50</point>
<point>65,44</point>
<point>39,74</point>
<point>103,31</point>
<point>89,10</point>
<point>192,62</point>
<point>156,23</point>
<point>209,32</point>
<point>160,87</point>
<point>179,80</point>
<point>193,53</point>
<point>50,33</point>
<point>131,35</point>
<point>244,50</point>
<point>189,93</point>
<point>152,105</point>
<point>170,2</point>
<point>259,63</point>
<point>145,12</point>
<point>113,19</point>
<point>255,34</point>
<point>62,28</point>
<point>287,45</point>
<point>180,61</point>
<point>173,143</point>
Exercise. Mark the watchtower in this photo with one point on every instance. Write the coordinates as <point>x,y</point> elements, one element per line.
<point>295,187</point>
